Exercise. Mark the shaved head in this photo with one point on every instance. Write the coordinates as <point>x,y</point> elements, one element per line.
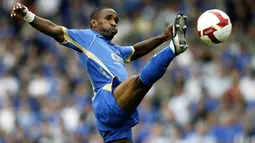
<point>95,13</point>
<point>104,20</point>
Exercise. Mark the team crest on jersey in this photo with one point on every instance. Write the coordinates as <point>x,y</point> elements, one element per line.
<point>116,58</point>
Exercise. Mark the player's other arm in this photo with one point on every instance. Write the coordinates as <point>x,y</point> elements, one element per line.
<point>43,25</point>
<point>144,47</point>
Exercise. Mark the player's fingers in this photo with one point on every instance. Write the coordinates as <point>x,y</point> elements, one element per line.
<point>13,14</point>
<point>19,6</point>
<point>23,7</point>
<point>16,6</point>
<point>18,3</point>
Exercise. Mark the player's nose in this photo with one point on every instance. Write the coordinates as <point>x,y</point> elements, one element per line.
<point>113,24</point>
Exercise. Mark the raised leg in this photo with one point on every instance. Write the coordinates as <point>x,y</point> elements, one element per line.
<point>130,93</point>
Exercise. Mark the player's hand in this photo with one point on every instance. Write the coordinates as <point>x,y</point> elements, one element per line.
<point>18,10</point>
<point>168,32</point>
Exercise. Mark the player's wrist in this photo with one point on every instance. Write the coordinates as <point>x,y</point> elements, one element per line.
<point>163,37</point>
<point>29,17</point>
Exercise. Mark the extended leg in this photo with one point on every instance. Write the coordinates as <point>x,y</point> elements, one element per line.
<point>130,93</point>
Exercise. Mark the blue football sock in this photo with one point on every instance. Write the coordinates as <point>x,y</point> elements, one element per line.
<point>157,66</point>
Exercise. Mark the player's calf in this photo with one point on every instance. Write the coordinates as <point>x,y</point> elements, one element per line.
<point>131,92</point>
<point>157,66</point>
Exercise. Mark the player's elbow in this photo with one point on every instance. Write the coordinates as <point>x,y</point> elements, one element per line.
<point>58,34</point>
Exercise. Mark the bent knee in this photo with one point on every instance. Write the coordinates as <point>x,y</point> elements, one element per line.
<point>138,81</point>
<point>135,77</point>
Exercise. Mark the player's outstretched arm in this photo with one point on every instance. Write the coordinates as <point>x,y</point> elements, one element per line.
<point>144,47</point>
<point>43,25</point>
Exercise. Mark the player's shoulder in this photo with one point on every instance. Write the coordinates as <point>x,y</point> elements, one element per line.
<point>82,36</point>
<point>77,31</point>
<point>85,31</point>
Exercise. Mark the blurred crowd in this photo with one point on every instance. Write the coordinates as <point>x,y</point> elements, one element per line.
<point>206,96</point>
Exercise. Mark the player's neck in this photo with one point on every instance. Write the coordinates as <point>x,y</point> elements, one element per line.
<point>100,34</point>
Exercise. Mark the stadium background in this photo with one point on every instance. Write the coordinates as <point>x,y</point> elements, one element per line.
<point>207,94</point>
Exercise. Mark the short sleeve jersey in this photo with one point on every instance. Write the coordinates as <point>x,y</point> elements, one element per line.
<point>102,59</point>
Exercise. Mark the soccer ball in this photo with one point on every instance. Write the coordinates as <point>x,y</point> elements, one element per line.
<point>214,26</point>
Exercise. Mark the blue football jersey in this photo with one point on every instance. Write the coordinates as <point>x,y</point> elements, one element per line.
<point>102,59</point>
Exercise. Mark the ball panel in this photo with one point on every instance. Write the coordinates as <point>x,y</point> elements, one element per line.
<point>209,32</point>
<point>223,33</point>
<point>206,20</point>
<point>206,39</point>
<point>221,13</point>
<point>223,21</point>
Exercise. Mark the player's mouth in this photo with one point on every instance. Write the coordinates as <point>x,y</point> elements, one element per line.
<point>113,30</point>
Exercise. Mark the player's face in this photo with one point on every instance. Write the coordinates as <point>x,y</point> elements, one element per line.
<point>107,23</point>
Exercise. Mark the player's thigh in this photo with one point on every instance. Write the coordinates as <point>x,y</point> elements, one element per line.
<point>122,87</point>
<point>130,93</point>
<point>132,82</point>
<point>125,140</point>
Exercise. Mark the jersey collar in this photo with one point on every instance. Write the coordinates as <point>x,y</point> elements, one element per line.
<point>97,34</point>
<point>101,36</point>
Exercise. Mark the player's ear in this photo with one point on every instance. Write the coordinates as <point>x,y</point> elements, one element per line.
<point>94,23</point>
